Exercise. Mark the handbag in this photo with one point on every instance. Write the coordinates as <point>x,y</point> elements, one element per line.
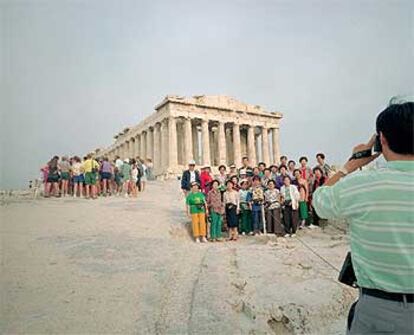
<point>347,273</point>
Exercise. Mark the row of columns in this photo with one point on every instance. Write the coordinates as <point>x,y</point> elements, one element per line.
<point>161,143</point>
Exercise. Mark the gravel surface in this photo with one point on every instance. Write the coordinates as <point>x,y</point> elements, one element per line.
<point>129,266</point>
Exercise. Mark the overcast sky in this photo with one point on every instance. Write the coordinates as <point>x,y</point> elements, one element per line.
<point>76,72</point>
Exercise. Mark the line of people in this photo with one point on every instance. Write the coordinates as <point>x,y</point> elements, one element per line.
<point>90,177</point>
<point>253,200</point>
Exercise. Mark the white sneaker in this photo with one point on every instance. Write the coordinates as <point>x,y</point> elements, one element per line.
<point>312,226</point>
<point>286,235</point>
<point>293,235</point>
<point>74,195</point>
<point>204,240</point>
<point>243,233</point>
<point>197,240</point>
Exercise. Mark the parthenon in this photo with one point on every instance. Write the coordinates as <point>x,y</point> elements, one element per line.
<point>212,130</point>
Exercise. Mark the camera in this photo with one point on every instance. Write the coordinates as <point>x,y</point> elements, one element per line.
<point>377,144</point>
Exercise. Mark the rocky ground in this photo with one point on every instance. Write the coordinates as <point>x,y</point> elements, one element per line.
<point>116,265</point>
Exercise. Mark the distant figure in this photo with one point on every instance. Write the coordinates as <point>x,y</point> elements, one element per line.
<point>53,177</point>
<point>64,168</point>
<point>77,177</point>
<point>91,168</point>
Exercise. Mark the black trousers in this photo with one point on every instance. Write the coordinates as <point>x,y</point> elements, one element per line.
<point>290,219</point>
<point>274,221</point>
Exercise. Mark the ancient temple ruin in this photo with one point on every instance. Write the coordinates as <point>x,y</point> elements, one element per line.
<point>212,130</point>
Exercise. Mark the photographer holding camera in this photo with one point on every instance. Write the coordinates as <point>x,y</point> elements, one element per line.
<point>379,206</point>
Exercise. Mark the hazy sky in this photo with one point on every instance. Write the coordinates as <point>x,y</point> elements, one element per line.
<point>75,72</point>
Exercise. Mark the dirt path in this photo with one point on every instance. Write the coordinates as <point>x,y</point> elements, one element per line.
<point>117,265</point>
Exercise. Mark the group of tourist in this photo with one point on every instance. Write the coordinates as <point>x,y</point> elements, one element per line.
<point>275,199</point>
<point>90,177</point>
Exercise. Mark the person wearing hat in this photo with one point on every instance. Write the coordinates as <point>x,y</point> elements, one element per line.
<point>242,173</point>
<point>189,176</point>
<point>245,211</point>
<point>197,211</point>
<point>233,170</point>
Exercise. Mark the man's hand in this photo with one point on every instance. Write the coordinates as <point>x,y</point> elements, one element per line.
<point>355,164</point>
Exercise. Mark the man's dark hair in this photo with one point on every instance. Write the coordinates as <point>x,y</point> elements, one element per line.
<point>262,163</point>
<point>229,181</point>
<point>245,157</point>
<point>222,166</point>
<point>215,181</point>
<point>396,123</point>
<point>317,168</point>
<point>271,181</point>
<point>283,157</point>
<point>303,158</point>
<point>282,166</point>
<point>321,155</point>
<point>291,161</point>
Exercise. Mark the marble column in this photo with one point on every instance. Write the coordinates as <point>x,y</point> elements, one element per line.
<point>164,145</point>
<point>222,154</point>
<point>172,143</point>
<point>206,142</point>
<point>126,149</point>
<point>275,145</point>
<point>236,144</point>
<point>229,146</point>
<point>157,147</point>
<point>188,141</point>
<point>265,145</point>
<point>132,147</point>
<point>121,151</point>
<point>196,149</point>
<point>138,146</point>
<point>143,145</point>
<point>150,143</point>
<point>213,146</point>
<point>251,147</point>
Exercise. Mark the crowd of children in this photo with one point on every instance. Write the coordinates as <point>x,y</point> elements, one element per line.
<point>253,200</point>
<point>89,177</point>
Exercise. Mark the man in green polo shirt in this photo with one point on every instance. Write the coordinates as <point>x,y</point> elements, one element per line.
<point>379,206</point>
